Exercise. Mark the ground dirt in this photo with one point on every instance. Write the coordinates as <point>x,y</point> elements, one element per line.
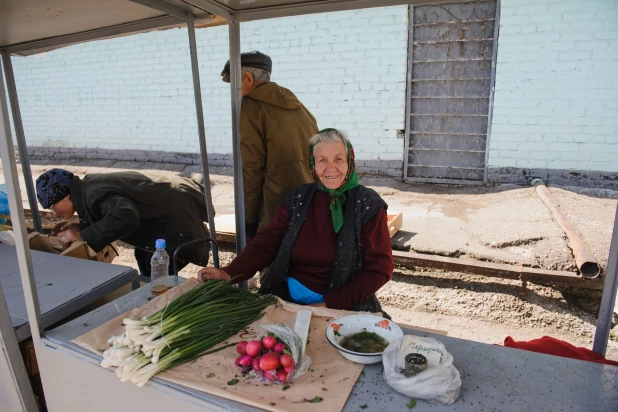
<point>504,224</point>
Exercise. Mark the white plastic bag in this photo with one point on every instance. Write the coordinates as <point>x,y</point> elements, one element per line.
<point>292,341</point>
<point>439,383</point>
<point>7,238</point>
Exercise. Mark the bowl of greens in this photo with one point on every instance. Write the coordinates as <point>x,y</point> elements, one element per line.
<point>362,338</point>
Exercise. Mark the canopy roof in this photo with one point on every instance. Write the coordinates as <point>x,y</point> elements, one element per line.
<point>33,26</point>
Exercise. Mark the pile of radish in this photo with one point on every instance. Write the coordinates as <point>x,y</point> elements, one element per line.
<point>269,358</point>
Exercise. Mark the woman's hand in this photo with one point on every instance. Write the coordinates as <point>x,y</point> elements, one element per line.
<point>66,225</point>
<point>69,236</point>
<point>212,274</point>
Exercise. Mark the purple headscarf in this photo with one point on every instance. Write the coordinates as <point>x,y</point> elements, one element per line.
<point>53,186</point>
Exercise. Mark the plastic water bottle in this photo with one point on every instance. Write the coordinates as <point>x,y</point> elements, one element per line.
<point>159,269</point>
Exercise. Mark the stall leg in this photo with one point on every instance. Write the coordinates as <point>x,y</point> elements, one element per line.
<point>606,311</point>
<point>24,257</point>
<point>19,395</point>
<point>235,83</point>
<point>197,91</point>
<point>21,141</point>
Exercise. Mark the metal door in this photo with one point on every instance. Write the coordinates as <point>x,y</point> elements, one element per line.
<point>450,80</point>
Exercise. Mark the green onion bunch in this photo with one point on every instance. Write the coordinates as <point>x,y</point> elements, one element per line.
<point>184,330</point>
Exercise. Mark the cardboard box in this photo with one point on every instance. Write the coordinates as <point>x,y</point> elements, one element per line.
<point>80,250</point>
<point>395,221</point>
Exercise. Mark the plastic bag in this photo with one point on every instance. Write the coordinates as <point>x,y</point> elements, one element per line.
<point>7,238</point>
<point>4,204</point>
<point>439,383</point>
<point>294,343</point>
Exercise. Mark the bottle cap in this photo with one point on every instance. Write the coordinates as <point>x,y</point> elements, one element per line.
<point>160,244</point>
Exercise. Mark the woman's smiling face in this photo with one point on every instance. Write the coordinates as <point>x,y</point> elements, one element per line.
<point>331,163</point>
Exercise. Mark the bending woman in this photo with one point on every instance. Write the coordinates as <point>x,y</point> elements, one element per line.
<point>328,245</point>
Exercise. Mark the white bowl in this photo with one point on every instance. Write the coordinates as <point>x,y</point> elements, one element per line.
<point>351,324</point>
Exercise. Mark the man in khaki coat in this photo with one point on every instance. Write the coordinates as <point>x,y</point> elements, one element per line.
<point>275,129</point>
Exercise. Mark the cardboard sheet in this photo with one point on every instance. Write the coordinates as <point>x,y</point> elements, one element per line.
<point>330,377</point>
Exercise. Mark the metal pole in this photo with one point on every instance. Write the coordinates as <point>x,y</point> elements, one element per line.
<point>490,113</point>
<point>12,364</point>
<point>21,141</point>
<point>197,91</point>
<point>604,323</point>
<point>408,109</point>
<point>235,84</point>
<point>24,258</point>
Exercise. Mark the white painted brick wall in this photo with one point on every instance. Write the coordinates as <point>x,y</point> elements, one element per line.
<point>136,92</point>
<point>556,99</point>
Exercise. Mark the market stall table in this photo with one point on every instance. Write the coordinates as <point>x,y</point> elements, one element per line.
<point>494,378</point>
<point>64,284</point>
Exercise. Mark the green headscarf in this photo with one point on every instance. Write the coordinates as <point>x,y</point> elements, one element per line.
<point>337,195</point>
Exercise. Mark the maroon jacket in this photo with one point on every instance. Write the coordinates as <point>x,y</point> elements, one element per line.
<point>314,252</point>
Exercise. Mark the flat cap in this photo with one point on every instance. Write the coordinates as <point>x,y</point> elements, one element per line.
<point>251,58</point>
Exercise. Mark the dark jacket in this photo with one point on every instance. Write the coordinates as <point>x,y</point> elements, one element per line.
<point>275,129</point>
<point>361,205</point>
<point>139,208</point>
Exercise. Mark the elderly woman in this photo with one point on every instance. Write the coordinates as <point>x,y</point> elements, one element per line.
<point>328,245</point>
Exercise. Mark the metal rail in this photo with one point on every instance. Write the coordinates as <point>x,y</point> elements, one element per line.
<point>497,270</point>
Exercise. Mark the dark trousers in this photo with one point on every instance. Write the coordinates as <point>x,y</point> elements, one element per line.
<point>143,258</point>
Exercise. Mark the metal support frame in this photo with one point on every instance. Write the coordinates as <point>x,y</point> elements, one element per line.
<point>408,109</point>
<point>21,140</point>
<point>320,6</point>
<point>97,34</point>
<point>492,90</point>
<point>199,111</point>
<point>606,311</point>
<point>235,86</point>
<point>213,7</point>
<point>24,258</point>
<point>165,8</point>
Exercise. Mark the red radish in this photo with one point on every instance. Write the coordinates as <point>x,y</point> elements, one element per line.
<point>282,375</point>
<point>237,362</point>
<point>286,360</point>
<point>289,368</point>
<point>245,360</point>
<point>270,361</point>
<point>241,347</point>
<point>256,363</point>
<point>270,375</point>
<point>254,348</point>
<point>269,342</point>
<point>279,347</point>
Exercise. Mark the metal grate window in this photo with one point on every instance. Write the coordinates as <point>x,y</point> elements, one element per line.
<point>451,52</point>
